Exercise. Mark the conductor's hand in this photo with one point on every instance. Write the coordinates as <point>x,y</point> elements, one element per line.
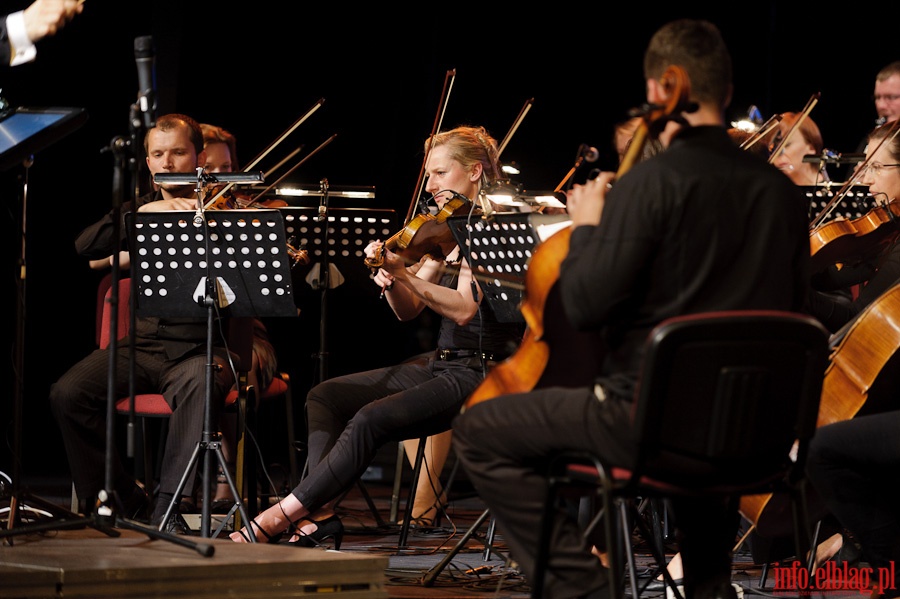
<point>46,17</point>
<point>166,205</point>
<point>584,202</point>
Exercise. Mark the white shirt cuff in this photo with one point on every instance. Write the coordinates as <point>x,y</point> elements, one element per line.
<point>21,48</point>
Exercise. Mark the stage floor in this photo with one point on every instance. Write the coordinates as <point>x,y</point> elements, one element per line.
<point>450,561</point>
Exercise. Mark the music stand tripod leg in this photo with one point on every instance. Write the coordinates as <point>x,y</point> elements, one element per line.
<point>429,578</point>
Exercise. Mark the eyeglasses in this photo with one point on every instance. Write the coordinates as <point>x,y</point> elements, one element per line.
<point>886,97</point>
<point>876,167</point>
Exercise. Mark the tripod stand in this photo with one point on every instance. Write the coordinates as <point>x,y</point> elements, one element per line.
<point>239,259</point>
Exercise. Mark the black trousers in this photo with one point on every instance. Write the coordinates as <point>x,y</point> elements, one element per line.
<point>505,445</point>
<point>350,417</point>
<point>78,402</point>
<point>853,465</point>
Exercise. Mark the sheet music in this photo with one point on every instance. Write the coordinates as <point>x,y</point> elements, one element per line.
<point>547,230</point>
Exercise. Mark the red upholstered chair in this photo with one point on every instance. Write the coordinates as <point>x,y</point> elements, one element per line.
<point>726,405</point>
<point>146,406</point>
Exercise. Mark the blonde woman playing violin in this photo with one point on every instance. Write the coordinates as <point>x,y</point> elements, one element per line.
<point>350,417</point>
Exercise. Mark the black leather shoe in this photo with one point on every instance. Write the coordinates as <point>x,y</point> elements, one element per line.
<point>136,505</point>
<point>176,525</point>
<point>656,584</point>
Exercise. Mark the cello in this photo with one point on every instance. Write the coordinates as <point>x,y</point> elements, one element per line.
<point>533,365</point>
<point>861,354</point>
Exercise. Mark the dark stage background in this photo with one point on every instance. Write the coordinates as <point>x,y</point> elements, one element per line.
<point>255,71</point>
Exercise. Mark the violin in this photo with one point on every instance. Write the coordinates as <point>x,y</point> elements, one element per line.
<point>856,240</point>
<point>231,200</point>
<point>425,234</point>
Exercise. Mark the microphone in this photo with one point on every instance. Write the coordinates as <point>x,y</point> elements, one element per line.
<point>145,58</point>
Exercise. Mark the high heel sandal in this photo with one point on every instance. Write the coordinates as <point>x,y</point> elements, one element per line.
<point>329,528</point>
<point>270,539</point>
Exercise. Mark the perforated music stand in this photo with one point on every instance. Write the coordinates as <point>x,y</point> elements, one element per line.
<point>498,249</point>
<point>245,250</point>
<point>175,260</point>
<point>856,203</point>
<point>350,230</point>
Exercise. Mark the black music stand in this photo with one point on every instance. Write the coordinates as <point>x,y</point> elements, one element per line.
<point>336,249</point>
<point>498,249</point>
<point>225,262</point>
<point>348,233</point>
<point>856,202</point>
<point>23,132</point>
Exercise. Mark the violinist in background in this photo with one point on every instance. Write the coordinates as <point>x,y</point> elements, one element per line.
<point>886,101</point>
<point>350,417</point>
<point>669,237</point>
<point>875,276</point>
<point>878,273</point>
<point>805,139</point>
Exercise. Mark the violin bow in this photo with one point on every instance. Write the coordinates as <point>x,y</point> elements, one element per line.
<point>293,168</point>
<point>810,104</point>
<point>265,152</point>
<point>764,130</point>
<point>449,78</point>
<point>515,126</point>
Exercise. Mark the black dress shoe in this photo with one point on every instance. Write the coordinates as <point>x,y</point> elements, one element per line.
<point>175,525</point>
<point>135,505</point>
<point>655,584</point>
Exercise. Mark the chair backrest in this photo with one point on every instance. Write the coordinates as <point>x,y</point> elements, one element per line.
<point>104,310</point>
<point>723,397</point>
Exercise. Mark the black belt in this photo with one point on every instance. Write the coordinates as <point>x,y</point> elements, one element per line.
<point>453,354</point>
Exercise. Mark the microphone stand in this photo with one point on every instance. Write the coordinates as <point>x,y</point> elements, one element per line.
<point>124,151</point>
<point>322,284</point>
<point>105,518</point>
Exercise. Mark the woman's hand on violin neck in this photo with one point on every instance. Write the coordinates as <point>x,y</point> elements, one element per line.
<point>584,202</point>
<point>373,248</point>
